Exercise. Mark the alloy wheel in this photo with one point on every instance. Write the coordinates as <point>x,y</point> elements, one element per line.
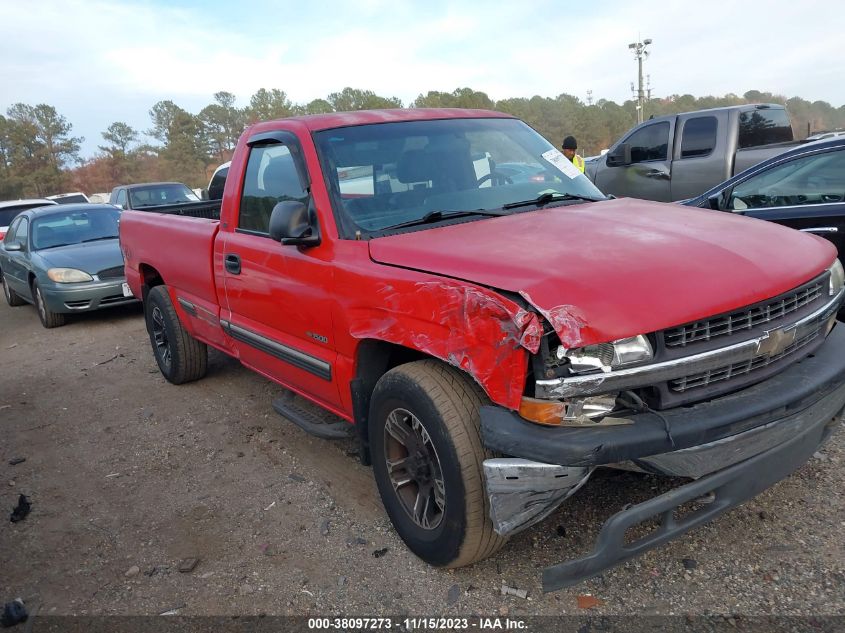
<point>414,468</point>
<point>162,342</point>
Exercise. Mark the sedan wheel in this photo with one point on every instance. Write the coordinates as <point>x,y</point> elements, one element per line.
<point>49,319</point>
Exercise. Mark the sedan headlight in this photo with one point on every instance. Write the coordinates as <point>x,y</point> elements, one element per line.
<point>68,275</point>
<point>837,277</point>
<point>607,356</point>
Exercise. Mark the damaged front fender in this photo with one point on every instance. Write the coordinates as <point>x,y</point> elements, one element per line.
<point>470,327</point>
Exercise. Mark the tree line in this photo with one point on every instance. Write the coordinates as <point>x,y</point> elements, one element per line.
<point>39,155</point>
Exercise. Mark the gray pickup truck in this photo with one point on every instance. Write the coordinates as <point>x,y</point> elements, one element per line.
<point>679,156</point>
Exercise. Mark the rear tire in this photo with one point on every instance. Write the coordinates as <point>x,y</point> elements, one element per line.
<point>427,460</point>
<point>12,297</point>
<point>49,319</point>
<point>180,357</point>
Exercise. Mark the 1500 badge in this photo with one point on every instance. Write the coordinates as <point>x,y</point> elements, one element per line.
<point>318,337</point>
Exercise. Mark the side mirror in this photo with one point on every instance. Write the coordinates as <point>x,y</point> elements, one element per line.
<point>13,246</point>
<point>291,225</point>
<point>715,201</point>
<point>203,194</point>
<point>620,156</point>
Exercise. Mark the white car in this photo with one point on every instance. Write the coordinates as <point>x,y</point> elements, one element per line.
<point>10,208</point>
<point>69,198</point>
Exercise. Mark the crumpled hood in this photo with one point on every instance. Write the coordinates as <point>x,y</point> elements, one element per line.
<point>91,257</point>
<point>608,270</point>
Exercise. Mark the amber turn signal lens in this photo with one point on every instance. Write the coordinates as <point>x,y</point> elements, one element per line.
<point>547,412</point>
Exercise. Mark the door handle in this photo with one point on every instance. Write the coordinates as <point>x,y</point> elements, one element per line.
<point>232,263</point>
<point>821,229</point>
<point>656,173</point>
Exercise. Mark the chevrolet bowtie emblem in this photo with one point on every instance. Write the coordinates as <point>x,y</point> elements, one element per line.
<point>775,341</point>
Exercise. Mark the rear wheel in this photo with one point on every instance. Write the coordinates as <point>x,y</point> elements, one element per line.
<point>49,319</point>
<point>180,357</point>
<point>427,460</point>
<point>12,297</point>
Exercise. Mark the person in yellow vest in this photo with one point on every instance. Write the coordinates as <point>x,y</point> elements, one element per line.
<point>569,147</point>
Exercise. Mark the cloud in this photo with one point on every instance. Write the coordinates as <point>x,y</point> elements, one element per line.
<point>99,61</point>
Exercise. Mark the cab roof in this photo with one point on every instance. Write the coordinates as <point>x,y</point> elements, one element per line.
<point>317,122</point>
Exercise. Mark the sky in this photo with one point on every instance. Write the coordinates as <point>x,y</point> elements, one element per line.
<point>101,61</point>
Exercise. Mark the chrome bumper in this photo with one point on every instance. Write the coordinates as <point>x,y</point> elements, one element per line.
<point>523,492</point>
<point>769,343</point>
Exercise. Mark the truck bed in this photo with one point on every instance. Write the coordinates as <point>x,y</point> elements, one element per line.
<point>181,248</point>
<point>209,209</point>
<point>750,156</point>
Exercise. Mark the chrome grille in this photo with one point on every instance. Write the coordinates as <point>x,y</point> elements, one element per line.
<point>111,273</point>
<point>702,379</point>
<point>744,319</point>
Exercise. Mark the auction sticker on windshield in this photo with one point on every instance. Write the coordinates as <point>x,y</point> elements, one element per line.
<point>563,164</point>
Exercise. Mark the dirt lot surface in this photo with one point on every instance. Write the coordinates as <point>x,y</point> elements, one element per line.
<point>128,475</point>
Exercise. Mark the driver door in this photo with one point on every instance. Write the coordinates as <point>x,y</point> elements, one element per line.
<point>277,304</point>
<point>650,172</point>
<point>16,265</point>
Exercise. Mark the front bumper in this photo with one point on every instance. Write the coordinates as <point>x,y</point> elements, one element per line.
<point>83,297</point>
<point>736,446</point>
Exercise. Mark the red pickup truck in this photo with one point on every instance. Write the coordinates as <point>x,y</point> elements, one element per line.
<point>496,335</point>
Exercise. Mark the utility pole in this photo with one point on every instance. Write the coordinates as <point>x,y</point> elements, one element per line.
<point>589,97</point>
<point>639,48</point>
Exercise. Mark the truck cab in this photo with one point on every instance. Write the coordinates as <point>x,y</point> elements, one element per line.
<point>677,157</point>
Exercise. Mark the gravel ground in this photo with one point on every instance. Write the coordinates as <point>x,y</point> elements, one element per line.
<point>128,475</point>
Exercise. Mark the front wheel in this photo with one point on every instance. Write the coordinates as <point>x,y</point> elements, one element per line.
<point>427,460</point>
<point>180,357</point>
<point>49,319</point>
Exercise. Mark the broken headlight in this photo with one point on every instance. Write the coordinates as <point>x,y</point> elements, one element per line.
<point>837,277</point>
<point>607,356</point>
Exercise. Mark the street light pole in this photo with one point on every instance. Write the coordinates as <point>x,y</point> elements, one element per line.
<point>639,48</point>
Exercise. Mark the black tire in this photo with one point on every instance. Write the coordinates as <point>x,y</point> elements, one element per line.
<point>445,403</point>
<point>12,297</point>
<point>180,357</point>
<point>49,319</point>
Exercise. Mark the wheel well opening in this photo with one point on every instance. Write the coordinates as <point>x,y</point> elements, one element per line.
<point>373,360</point>
<point>150,278</point>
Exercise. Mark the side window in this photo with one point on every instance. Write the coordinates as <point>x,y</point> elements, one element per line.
<point>817,179</point>
<point>13,228</point>
<point>761,127</point>
<point>22,233</point>
<point>270,178</point>
<point>121,198</point>
<point>699,137</point>
<point>649,143</point>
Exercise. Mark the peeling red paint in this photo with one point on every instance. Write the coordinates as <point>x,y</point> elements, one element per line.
<point>567,322</point>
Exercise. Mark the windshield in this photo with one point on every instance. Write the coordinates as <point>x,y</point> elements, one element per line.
<point>154,195</point>
<point>388,174</point>
<point>61,229</point>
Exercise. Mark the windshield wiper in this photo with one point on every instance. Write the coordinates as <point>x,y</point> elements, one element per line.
<point>549,196</point>
<point>436,216</point>
<point>97,239</point>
